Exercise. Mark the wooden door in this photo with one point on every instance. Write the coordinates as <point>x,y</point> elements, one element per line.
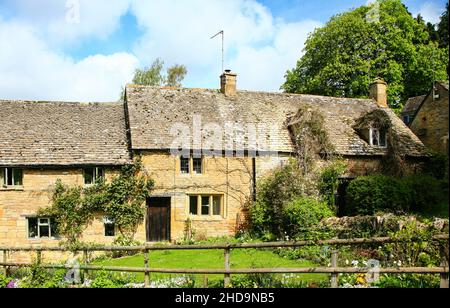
<point>158,219</point>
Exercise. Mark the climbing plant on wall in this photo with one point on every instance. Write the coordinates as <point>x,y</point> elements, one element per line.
<point>122,199</point>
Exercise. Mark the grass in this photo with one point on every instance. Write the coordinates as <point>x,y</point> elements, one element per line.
<point>212,259</point>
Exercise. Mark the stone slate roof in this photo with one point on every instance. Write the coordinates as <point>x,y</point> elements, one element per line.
<point>154,111</point>
<point>62,134</point>
<point>413,104</point>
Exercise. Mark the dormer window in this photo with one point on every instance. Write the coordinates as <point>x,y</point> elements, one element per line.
<point>378,137</point>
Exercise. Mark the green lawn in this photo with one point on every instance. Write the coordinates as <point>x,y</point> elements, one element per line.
<point>212,259</point>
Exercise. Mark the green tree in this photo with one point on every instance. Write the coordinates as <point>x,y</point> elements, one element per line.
<point>381,40</point>
<point>443,29</point>
<point>154,76</point>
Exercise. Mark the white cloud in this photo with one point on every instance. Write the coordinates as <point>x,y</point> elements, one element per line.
<point>30,69</point>
<point>54,18</point>
<point>258,47</point>
<point>430,12</point>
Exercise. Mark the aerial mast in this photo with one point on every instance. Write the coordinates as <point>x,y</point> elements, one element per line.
<point>223,41</point>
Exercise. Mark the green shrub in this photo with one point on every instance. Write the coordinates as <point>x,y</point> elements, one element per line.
<point>107,280</point>
<point>304,214</point>
<point>273,193</point>
<point>411,281</point>
<point>425,191</point>
<point>329,180</point>
<point>4,281</point>
<point>377,193</point>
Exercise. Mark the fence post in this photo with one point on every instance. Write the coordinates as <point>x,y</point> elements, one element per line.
<point>444,263</point>
<point>226,281</point>
<point>146,265</point>
<point>85,261</point>
<point>334,264</point>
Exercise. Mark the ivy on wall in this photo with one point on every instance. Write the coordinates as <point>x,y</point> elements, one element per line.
<point>122,199</point>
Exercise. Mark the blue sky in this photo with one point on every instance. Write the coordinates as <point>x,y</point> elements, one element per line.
<point>86,50</point>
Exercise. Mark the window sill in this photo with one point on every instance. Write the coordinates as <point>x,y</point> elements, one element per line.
<point>207,218</point>
<point>41,239</point>
<point>11,188</point>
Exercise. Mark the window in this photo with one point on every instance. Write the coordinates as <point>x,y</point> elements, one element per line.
<point>191,164</point>
<point>197,165</point>
<point>185,165</point>
<point>193,205</point>
<point>11,177</point>
<point>206,205</point>
<point>110,226</point>
<point>378,137</point>
<point>93,175</point>
<point>41,228</point>
<point>406,119</point>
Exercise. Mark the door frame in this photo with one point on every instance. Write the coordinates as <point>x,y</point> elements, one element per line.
<point>164,202</point>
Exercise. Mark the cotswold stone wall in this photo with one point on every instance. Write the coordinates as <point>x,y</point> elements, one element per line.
<point>431,122</point>
<point>16,205</point>
<point>230,178</point>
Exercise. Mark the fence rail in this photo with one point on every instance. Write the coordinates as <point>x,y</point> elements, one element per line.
<point>334,270</point>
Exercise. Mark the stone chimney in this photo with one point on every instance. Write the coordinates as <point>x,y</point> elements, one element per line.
<point>378,92</point>
<point>228,83</point>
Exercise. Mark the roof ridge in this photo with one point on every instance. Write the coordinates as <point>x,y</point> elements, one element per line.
<point>57,102</point>
<point>183,89</point>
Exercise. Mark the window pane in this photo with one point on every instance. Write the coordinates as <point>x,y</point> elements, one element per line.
<point>197,165</point>
<point>89,176</point>
<point>217,203</point>
<point>383,138</point>
<point>44,231</point>
<point>193,205</point>
<point>375,137</point>
<point>43,221</point>
<point>32,227</point>
<point>100,174</point>
<point>17,175</point>
<point>109,229</point>
<point>184,165</point>
<point>9,177</point>
<point>54,228</point>
<point>3,176</point>
<point>205,205</point>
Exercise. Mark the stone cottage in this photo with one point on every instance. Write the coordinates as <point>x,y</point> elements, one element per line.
<point>427,116</point>
<point>205,149</point>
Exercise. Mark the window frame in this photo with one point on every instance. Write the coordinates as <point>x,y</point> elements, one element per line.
<point>192,170</point>
<point>97,173</point>
<point>183,160</point>
<point>378,133</point>
<point>52,234</point>
<point>110,222</point>
<point>200,205</point>
<point>5,176</point>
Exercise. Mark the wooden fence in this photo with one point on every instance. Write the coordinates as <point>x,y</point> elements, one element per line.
<point>334,270</point>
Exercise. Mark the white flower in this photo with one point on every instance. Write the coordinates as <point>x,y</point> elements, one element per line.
<point>355,263</point>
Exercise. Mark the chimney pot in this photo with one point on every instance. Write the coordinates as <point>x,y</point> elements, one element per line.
<point>378,92</point>
<point>228,83</point>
